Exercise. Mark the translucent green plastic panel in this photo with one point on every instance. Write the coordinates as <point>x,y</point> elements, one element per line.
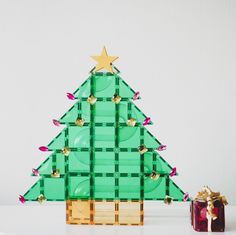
<point>129,188</point>
<point>105,112</point>
<point>104,162</point>
<point>33,192</point>
<point>58,142</point>
<point>104,85</point>
<point>93,168</point>
<point>155,163</point>
<point>129,162</point>
<point>54,161</point>
<point>150,141</point>
<point>79,187</point>
<point>71,115</point>
<point>129,137</point>
<point>104,187</point>
<point>154,190</point>
<point>54,188</point>
<point>84,89</point>
<point>79,137</point>
<point>104,137</point>
<point>79,161</point>
<point>125,90</point>
<point>134,112</point>
<point>175,191</point>
<point>80,108</point>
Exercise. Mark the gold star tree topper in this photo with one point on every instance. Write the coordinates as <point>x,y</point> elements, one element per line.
<point>104,61</point>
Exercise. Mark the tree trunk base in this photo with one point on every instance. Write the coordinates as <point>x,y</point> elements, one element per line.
<point>109,212</point>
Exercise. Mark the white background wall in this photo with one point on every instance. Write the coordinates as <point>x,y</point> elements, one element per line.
<point>179,54</point>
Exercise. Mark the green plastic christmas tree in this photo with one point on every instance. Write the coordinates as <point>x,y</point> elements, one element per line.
<point>105,153</point>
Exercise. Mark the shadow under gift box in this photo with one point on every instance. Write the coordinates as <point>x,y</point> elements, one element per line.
<point>201,222</point>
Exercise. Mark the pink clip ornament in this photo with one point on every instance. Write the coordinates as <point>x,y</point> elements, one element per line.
<point>147,121</point>
<point>173,172</point>
<point>186,197</point>
<point>56,122</point>
<point>35,172</point>
<point>162,148</point>
<point>136,95</point>
<point>22,199</point>
<point>70,96</point>
<point>43,148</point>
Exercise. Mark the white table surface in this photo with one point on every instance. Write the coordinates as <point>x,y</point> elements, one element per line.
<point>48,219</point>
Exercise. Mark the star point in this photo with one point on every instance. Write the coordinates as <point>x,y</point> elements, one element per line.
<point>104,61</point>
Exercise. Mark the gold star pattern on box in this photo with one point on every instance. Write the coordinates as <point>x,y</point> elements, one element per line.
<point>104,61</point>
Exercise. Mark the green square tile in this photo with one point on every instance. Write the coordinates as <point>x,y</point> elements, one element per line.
<point>129,137</point>
<point>79,161</point>
<point>104,137</point>
<point>129,187</point>
<point>104,187</point>
<point>154,189</point>
<point>54,188</point>
<point>104,162</point>
<point>79,187</point>
<point>79,137</point>
<point>104,86</point>
<point>129,162</point>
<point>104,112</point>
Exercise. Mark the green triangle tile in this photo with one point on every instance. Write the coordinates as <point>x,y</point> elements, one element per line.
<point>162,166</point>
<point>175,192</point>
<point>46,167</point>
<point>83,90</point>
<point>71,115</point>
<point>150,141</point>
<point>137,114</point>
<point>125,90</point>
<point>58,142</point>
<point>33,192</point>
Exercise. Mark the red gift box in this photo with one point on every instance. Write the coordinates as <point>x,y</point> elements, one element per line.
<point>207,211</point>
